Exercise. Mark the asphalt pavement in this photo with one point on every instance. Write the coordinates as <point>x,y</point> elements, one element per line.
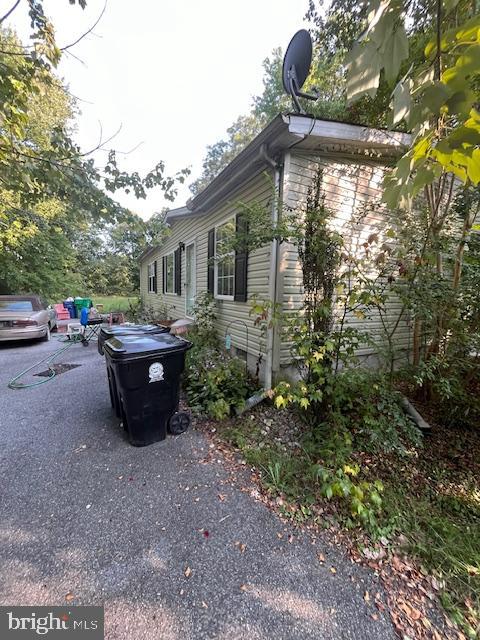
<point>158,535</point>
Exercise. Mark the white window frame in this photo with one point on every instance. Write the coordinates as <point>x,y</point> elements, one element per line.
<point>151,277</point>
<point>217,295</point>
<point>172,254</point>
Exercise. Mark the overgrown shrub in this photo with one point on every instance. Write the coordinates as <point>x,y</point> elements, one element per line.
<point>453,383</point>
<point>215,382</point>
<point>367,408</point>
<point>143,313</point>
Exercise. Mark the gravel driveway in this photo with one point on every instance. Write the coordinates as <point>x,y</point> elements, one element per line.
<point>84,513</point>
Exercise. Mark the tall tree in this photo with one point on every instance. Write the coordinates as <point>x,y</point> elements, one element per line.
<point>437,98</point>
<point>333,33</point>
<point>48,187</point>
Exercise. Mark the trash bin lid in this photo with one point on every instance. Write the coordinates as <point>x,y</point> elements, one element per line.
<point>137,346</point>
<point>133,329</point>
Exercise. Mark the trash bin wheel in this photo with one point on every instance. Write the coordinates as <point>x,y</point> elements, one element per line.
<point>179,423</point>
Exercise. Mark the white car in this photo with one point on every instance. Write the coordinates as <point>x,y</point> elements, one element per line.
<point>26,318</point>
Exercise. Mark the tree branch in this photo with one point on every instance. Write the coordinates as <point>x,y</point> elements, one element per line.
<point>439,41</point>
<point>10,11</point>
<point>72,44</point>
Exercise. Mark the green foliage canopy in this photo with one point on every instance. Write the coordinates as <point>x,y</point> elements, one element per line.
<point>50,191</point>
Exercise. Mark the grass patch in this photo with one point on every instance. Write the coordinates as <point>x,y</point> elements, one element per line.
<point>111,304</point>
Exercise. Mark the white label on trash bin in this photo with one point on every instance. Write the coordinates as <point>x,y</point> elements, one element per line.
<point>156,372</point>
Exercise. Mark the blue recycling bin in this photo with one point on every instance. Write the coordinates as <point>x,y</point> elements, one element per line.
<point>70,307</point>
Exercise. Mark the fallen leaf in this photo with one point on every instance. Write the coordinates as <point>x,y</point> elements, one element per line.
<point>366,596</point>
<point>320,557</point>
<point>243,587</point>
<point>80,448</point>
<point>221,497</point>
<point>426,623</point>
<point>437,584</point>
<point>187,572</point>
<point>410,612</point>
<point>205,533</point>
<point>333,570</point>
<point>374,554</point>
<point>416,614</point>
<point>69,597</point>
<point>279,536</point>
<point>204,605</point>
<point>374,616</point>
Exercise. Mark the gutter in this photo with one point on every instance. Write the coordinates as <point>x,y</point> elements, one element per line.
<point>273,271</point>
<point>272,287</point>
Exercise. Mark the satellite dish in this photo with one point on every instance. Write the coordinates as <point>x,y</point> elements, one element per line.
<point>296,67</point>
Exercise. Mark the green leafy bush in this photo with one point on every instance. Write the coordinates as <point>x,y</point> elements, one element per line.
<point>363,498</point>
<point>205,314</point>
<point>366,407</point>
<point>215,382</point>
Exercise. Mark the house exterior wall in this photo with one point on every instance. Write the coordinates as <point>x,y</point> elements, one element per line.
<point>195,229</point>
<point>348,186</point>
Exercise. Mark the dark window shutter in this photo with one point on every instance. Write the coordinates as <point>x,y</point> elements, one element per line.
<point>241,261</point>
<point>164,274</point>
<point>148,278</point>
<point>155,276</point>
<point>178,271</point>
<point>211,264</point>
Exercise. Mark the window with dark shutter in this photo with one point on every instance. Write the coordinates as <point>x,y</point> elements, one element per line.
<point>151,274</point>
<point>241,261</point>
<point>210,262</point>
<point>178,271</point>
<point>164,273</point>
<point>155,277</point>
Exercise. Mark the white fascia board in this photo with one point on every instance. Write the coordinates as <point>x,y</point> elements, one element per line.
<point>339,132</point>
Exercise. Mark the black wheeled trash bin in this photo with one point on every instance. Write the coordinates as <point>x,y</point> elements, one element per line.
<point>127,330</point>
<point>122,330</point>
<point>147,371</point>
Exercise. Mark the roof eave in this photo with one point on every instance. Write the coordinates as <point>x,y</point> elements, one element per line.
<point>248,157</point>
<point>345,133</point>
<point>148,251</point>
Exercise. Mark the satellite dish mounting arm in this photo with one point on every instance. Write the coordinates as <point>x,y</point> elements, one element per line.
<point>295,91</point>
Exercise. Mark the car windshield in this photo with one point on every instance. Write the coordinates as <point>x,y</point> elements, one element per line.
<point>16,305</point>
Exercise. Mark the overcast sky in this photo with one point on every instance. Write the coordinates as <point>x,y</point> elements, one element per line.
<point>173,74</point>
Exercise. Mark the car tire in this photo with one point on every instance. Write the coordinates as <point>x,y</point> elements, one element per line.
<point>48,336</point>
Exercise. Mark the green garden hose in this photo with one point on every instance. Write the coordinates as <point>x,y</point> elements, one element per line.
<point>13,384</point>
